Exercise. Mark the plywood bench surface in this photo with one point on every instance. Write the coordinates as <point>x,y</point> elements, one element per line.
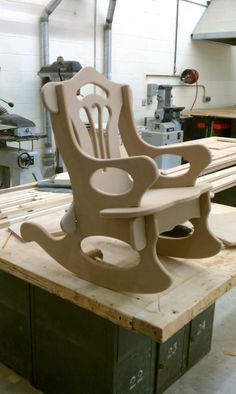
<point>197,284</point>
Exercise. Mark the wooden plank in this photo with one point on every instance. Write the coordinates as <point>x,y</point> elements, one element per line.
<point>23,187</point>
<point>7,221</point>
<point>220,180</point>
<point>15,195</point>
<point>223,226</point>
<point>222,221</point>
<point>224,183</point>
<point>217,175</point>
<point>24,199</point>
<point>50,221</point>
<point>217,164</point>
<point>36,204</point>
<point>19,204</point>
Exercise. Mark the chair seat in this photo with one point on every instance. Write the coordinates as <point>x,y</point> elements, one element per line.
<point>155,200</point>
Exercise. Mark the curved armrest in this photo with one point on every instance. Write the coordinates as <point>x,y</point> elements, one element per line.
<point>198,156</point>
<point>142,169</point>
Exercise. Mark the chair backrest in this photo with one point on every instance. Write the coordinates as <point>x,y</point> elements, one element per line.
<point>95,114</point>
<point>86,126</point>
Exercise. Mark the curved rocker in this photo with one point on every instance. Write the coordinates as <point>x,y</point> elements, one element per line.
<point>66,252</point>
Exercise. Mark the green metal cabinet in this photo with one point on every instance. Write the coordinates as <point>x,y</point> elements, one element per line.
<point>76,351</point>
<point>184,349</point>
<point>15,324</point>
<point>171,359</point>
<point>64,349</point>
<point>200,339</point>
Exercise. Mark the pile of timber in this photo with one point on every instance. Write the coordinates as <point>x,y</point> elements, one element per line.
<point>221,172</point>
<point>25,202</point>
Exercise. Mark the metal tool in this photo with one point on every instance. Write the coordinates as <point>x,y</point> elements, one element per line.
<point>59,70</point>
<point>17,165</point>
<point>165,127</point>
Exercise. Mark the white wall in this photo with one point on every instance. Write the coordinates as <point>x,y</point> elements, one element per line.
<point>143,43</point>
<point>71,29</point>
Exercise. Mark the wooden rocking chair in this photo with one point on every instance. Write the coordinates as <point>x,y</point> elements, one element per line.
<point>125,198</point>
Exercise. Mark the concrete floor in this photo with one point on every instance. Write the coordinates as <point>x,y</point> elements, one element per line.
<point>215,374</point>
<point>11,383</point>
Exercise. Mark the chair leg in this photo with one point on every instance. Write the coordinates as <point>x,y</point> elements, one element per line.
<point>150,275</point>
<point>147,276</point>
<point>199,244</point>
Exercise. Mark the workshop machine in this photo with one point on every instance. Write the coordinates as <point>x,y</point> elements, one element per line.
<point>165,127</point>
<point>60,70</point>
<point>17,165</point>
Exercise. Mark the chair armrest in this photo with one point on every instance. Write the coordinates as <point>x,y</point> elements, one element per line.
<point>198,156</point>
<point>142,169</point>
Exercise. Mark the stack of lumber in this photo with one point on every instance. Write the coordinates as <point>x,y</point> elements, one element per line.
<point>221,172</point>
<point>27,201</point>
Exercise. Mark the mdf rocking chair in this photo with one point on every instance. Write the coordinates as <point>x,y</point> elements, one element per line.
<point>125,198</point>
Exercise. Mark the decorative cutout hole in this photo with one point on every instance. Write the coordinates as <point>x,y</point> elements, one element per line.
<point>105,118</point>
<point>111,181</point>
<point>83,116</point>
<point>179,231</point>
<point>168,162</point>
<point>110,251</point>
<point>90,88</point>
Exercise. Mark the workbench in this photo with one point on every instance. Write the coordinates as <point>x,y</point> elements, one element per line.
<point>67,335</point>
<point>209,122</point>
<point>228,112</point>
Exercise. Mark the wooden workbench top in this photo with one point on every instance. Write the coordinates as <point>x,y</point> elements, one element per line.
<point>221,112</point>
<point>197,284</point>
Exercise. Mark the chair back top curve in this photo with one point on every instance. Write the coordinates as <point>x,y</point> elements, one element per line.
<point>86,127</point>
